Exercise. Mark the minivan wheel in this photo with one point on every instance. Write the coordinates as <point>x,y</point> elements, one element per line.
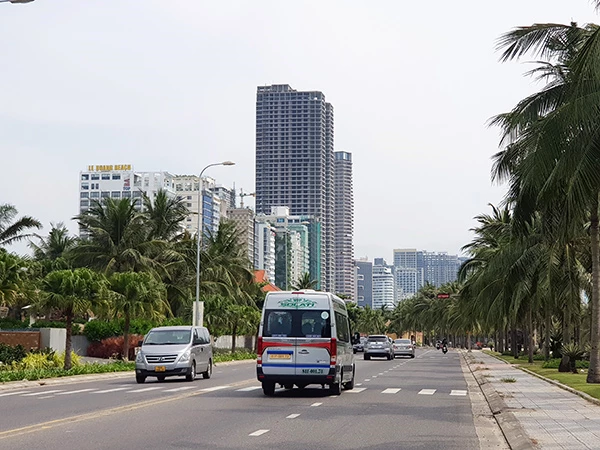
<point>206,375</point>
<point>140,379</point>
<point>268,388</point>
<point>336,388</point>
<point>350,384</point>
<point>191,375</point>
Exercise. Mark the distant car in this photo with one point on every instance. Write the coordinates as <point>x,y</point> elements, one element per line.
<point>360,346</point>
<point>404,347</point>
<point>379,345</point>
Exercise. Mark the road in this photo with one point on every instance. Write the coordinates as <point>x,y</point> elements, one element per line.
<point>419,403</point>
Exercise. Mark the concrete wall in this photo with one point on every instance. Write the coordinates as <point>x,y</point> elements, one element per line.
<point>28,339</point>
<point>54,338</point>
<point>241,342</point>
<point>80,344</point>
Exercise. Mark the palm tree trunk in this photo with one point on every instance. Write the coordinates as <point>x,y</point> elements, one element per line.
<point>69,325</point>
<point>233,337</point>
<point>125,354</point>
<point>547,332</point>
<point>565,365</point>
<point>469,341</point>
<point>513,341</point>
<point>530,336</point>
<point>506,345</point>
<point>594,370</point>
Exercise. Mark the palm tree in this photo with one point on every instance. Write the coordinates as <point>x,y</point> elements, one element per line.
<point>133,295</point>
<point>53,251</point>
<point>13,231</point>
<point>71,292</point>
<point>305,282</point>
<point>165,215</point>
<point>11,278</point>
<point>553,138</point>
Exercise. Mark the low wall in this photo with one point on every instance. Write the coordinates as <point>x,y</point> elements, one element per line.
<point>80,344</point>
<point>28,339</point>
<point>241,342</point>
<point>54,338</point>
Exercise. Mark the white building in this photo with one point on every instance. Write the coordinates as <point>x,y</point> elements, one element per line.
<point>265,249</point>
<point>118,182</point>
<point>383,287</point>
<point>407,273</point>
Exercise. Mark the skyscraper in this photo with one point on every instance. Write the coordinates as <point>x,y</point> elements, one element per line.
<point>295,161</point>
<point>344,225</point>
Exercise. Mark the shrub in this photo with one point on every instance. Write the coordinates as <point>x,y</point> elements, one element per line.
<point>554,363</point>
<point>45,360</point>
<point>13,324</point>
<point>75,328</point>
<point>9,354</point>
<point>111,347</point>
<point>97,330</point>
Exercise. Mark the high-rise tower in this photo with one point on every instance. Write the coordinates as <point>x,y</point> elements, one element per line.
<point>344,225</point>
<point>295,162</point>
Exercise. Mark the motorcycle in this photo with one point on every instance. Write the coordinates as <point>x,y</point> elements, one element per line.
<point>437,345</point>
<point>444,349</point>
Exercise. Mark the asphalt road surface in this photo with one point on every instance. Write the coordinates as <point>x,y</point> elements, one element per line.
<point>419,403</point>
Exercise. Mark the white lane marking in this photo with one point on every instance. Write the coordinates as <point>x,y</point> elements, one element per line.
<point>153,388</point>
<point>216,388</point>
<point>381,373</point>
<point>458,392</point>
<point>367,379</point>
<point>316,404</point>
<point>42,393</point>
<point>258,432</point>
<point>106,391</point>
<point>185,388</point>
<point>427,391</point>
<point>13,393</point>
<point>47,396</point>
<point>75,392</point>
<point>247,389</point>
<point>390,391</point>
<point>292,416</point>
<point>359,384</point>
<point>356,390</point>
<point>374,376</point>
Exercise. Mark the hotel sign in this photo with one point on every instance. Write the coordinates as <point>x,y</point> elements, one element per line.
<point>108,168</point>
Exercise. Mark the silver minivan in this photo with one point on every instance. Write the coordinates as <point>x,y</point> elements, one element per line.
<point>174,351</point>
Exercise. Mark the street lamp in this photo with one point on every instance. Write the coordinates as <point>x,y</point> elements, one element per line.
<point>198,310</point>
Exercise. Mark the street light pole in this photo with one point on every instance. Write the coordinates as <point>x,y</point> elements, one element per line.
<point>198,310</point>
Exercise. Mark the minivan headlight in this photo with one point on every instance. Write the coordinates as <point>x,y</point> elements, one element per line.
<point>139,357</point>
<point>185,357</point>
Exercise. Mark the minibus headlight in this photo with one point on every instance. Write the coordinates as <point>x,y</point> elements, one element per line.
<point>185,357</point>
<point>139,357</point>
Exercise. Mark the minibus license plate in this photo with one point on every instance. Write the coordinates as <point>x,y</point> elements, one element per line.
<point>313,371</point>
<point>159,369</point>
<point>280,356</point>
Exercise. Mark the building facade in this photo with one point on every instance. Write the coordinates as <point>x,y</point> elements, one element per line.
<point>384,294</point>
<point>243,218</point>
<point>407,276</point>
<point>295,162</point>
<point>187,188</point>
<point>364,283</point>
<point>344,225</point>
<point>265,249</point>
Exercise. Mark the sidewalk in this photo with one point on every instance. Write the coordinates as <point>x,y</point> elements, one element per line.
<point>533,413</point>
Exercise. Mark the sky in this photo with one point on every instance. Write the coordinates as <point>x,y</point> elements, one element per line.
<point>171,85</point>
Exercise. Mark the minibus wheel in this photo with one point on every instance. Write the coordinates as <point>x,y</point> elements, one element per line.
<point>268,388</point>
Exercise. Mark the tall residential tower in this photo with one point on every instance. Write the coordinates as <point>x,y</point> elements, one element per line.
<point>295,162</point>
<point>344,225</point>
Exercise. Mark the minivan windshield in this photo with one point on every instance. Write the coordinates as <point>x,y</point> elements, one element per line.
<point>297,323</point>
<point>168,337</point>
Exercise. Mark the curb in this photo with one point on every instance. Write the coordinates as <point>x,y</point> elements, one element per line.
<point>511,428</point>
<point>583,395</point>
<point>8,385</point>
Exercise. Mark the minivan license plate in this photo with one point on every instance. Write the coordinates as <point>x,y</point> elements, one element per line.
<point>313,371</point>
<point>280,356</point>
<point>159,369</point>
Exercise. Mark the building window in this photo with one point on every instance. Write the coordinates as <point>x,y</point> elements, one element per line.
<point>85,186</point>
<point>137,194</point>
<point>95,176</point>
<point>116,176</point>
<point>126,194</point>
<point>189,219</point>
<point>85,176</point>
<point>106,176</point>
<point>115,194</point>
<point>84,203</point>
<point>189,205</point>
<point>84,195</point>
<point>105,194</point>
<point>94,194</point>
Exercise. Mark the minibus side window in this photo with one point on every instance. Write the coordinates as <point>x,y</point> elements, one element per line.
<point>343,330</point>
<point>278,324</point>
<point>316,324</point>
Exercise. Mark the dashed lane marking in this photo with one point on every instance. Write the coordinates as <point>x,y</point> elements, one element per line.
<point>292,416</point>
<point>359,384</point>
<point>390,391</point>
<point>152,388</point>
<point>215,388</point>
<point>185,388</point>
<point>356,390</point>
<point>258,432</point>
<point>458,392</point>
<point>75,392</point>
<point>42,393</point>
<point>317,404</point>
<point>13,393</point>
<point>427,391</point>
<point>248,389</point>
<point>107,391</point>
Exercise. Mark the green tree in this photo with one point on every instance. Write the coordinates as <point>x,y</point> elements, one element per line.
<point>136,295</point>
<point>12,230</point>
<point>305,282</point>
<point>12,272</point>
<point>165,215</point>
<point>71,292</point>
